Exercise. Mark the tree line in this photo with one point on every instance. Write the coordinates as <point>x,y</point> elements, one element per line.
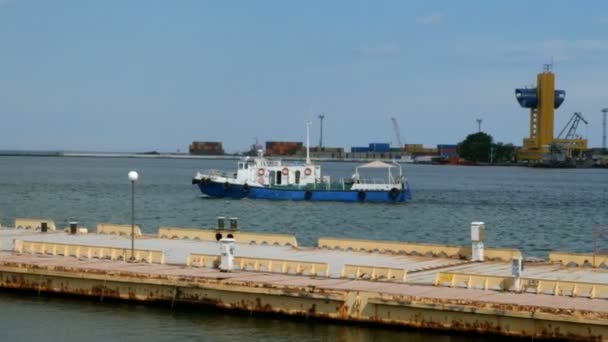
<point>480,148</point>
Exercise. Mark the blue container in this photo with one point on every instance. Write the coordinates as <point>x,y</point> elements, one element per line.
<point>447,147</point>
<point>379,147</point>
<point>359,149</point>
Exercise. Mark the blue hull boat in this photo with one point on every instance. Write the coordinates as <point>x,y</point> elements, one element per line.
<point>259,178</point>
<point>231,190</point>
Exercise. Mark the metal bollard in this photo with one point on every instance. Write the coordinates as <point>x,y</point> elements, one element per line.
<point>234,223</point>
<point>478,236</point>
<point>73,227</point>
<point>517,268</point>
<point>226,255</point>
<point>221,222</point>
<point>43,227</point>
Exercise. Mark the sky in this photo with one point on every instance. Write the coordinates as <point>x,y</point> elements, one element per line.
<point>144,75</point>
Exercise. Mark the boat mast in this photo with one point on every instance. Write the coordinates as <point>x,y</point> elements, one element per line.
<point>307,142</point>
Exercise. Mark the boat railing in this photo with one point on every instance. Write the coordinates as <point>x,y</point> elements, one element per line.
<point>217,173</point>
<point>375,181</point>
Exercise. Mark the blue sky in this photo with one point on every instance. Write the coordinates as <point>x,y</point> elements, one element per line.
<point>128,75</point>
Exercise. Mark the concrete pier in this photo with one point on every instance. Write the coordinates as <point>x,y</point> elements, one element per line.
<point>436,289</point>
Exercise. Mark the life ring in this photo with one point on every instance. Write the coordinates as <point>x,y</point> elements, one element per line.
<point>245,188</point>
<point>261,180</point>
<point>308,195</point>
<point>307,171</point>
<point>285,171</point>
<point>261,172</point>
<point>361,195</point>
<point>393,193</point>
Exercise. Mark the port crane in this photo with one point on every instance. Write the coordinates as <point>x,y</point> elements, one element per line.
<point>571,141</point>
<point>397,134</point>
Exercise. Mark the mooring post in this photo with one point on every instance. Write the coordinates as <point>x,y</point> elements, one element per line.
<point>517,267</point>
<point>478,236</point>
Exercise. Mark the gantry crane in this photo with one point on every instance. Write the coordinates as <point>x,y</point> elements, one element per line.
<point>571,144</point>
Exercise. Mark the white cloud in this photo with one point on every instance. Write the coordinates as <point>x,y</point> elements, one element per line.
<point>600,19</point>
<point>431,19</point>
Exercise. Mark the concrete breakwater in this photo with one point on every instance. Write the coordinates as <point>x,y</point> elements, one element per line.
<point>396,283</point>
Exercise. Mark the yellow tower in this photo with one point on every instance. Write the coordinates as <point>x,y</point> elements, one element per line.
<point>542,101</point>
<point>546,113</point>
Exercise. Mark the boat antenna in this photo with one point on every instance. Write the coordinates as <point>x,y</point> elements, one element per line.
<point>307,142</point>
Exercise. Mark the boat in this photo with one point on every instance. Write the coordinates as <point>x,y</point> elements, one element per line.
<point>261,178</point>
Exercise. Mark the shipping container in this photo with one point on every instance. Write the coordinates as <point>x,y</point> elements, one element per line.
<point>359,149</point>
<point>447,150</point>
<point>206,148</point>
<point>283,148</point>
<point>444,146</point>
<point>379,147</point>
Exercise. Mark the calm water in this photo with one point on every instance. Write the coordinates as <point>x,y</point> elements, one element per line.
<point>536,210</point>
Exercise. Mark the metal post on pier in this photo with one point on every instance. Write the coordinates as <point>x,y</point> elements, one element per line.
<point>517,267</point>
<point>133,176</point>
<point>478,236</point>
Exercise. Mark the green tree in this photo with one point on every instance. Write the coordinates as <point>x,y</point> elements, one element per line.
<point>476,147</point>
<point>504,153</point>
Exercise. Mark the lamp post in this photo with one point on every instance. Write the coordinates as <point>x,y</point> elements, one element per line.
<point>133,176</point>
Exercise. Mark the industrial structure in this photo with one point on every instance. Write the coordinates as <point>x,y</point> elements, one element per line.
<point>541,146</point>
<point>570,145</point>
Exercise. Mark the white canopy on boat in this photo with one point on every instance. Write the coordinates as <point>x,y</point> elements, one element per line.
<point>376,164</point>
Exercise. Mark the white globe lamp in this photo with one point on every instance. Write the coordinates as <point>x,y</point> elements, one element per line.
<point>133,176</point>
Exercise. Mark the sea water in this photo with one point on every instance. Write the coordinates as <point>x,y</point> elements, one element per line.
<point>535,210</point>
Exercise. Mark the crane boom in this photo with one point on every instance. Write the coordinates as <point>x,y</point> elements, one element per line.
<point>572,126</point>
<point>397,134</point>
